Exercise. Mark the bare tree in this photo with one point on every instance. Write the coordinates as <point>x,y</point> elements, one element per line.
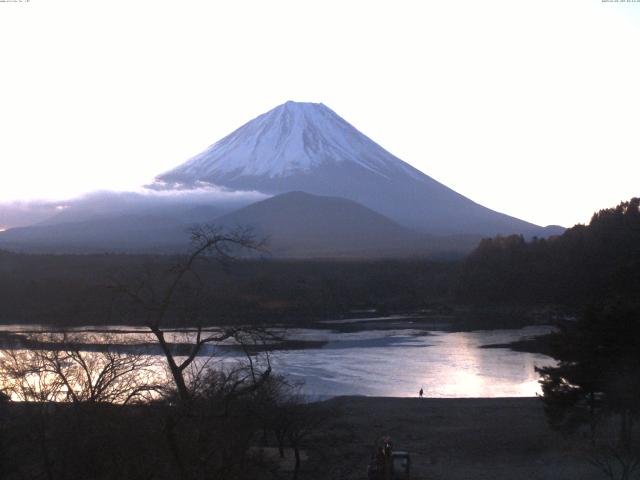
<point>205,383</point>
<point>290,417</point>
<point>56,369</point>
<point>59,368</point>
<point>207,428</point>
<point>617,457</point>
<point>614,461</point>
<point>182,294</point>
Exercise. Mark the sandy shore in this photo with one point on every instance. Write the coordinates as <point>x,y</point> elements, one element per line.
<point>503,438</point>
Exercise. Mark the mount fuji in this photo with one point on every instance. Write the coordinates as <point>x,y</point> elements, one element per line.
<point>299,175</point>
<point>307,147</point>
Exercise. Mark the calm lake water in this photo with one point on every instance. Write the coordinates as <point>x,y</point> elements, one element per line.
<point>398,360</point>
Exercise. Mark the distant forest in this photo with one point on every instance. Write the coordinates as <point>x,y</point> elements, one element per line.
<point>76,289</point>
<point>585,264</point>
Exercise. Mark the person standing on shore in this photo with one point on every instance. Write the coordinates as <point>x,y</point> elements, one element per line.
<point>421,392</point>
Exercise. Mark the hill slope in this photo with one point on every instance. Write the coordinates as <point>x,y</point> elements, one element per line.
<point>300,224</point>
<point>151,232</point>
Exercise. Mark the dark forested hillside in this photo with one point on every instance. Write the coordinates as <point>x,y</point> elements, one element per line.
<point>75,289</point>
<point>586,264</point>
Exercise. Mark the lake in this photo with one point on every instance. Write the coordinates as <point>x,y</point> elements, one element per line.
<point>397,363</point>
<point>396,357</point>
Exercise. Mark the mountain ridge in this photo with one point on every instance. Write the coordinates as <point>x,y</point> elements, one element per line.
<point>308,147</point>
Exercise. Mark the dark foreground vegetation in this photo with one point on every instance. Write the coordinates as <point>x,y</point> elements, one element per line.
<point>220,435</point>
<point>449,439</point>
<point>595,388</point>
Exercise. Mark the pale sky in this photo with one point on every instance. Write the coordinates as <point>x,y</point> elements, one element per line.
<point>530,107</point>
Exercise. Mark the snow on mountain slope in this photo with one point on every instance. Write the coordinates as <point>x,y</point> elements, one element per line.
<point>307,147</point>
<point>292,138</point>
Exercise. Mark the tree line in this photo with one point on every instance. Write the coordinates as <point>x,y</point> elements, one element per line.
<point>588,263</point>
<point>594,390</point>
<point>73,289</point>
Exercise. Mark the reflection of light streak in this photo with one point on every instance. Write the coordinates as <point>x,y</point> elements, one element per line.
<point>530,388</point>
<point>462,379</point>
<point>464,384</point>
<point>448,365</point>
<point>456,367</point>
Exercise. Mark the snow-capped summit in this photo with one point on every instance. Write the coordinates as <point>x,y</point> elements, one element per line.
<point>293,138</point>
<point>307,147</point>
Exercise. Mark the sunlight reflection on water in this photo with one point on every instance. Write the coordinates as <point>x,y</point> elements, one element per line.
<point>400,362</point>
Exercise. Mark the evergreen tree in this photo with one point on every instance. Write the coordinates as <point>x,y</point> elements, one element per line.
<point>598,374</point>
